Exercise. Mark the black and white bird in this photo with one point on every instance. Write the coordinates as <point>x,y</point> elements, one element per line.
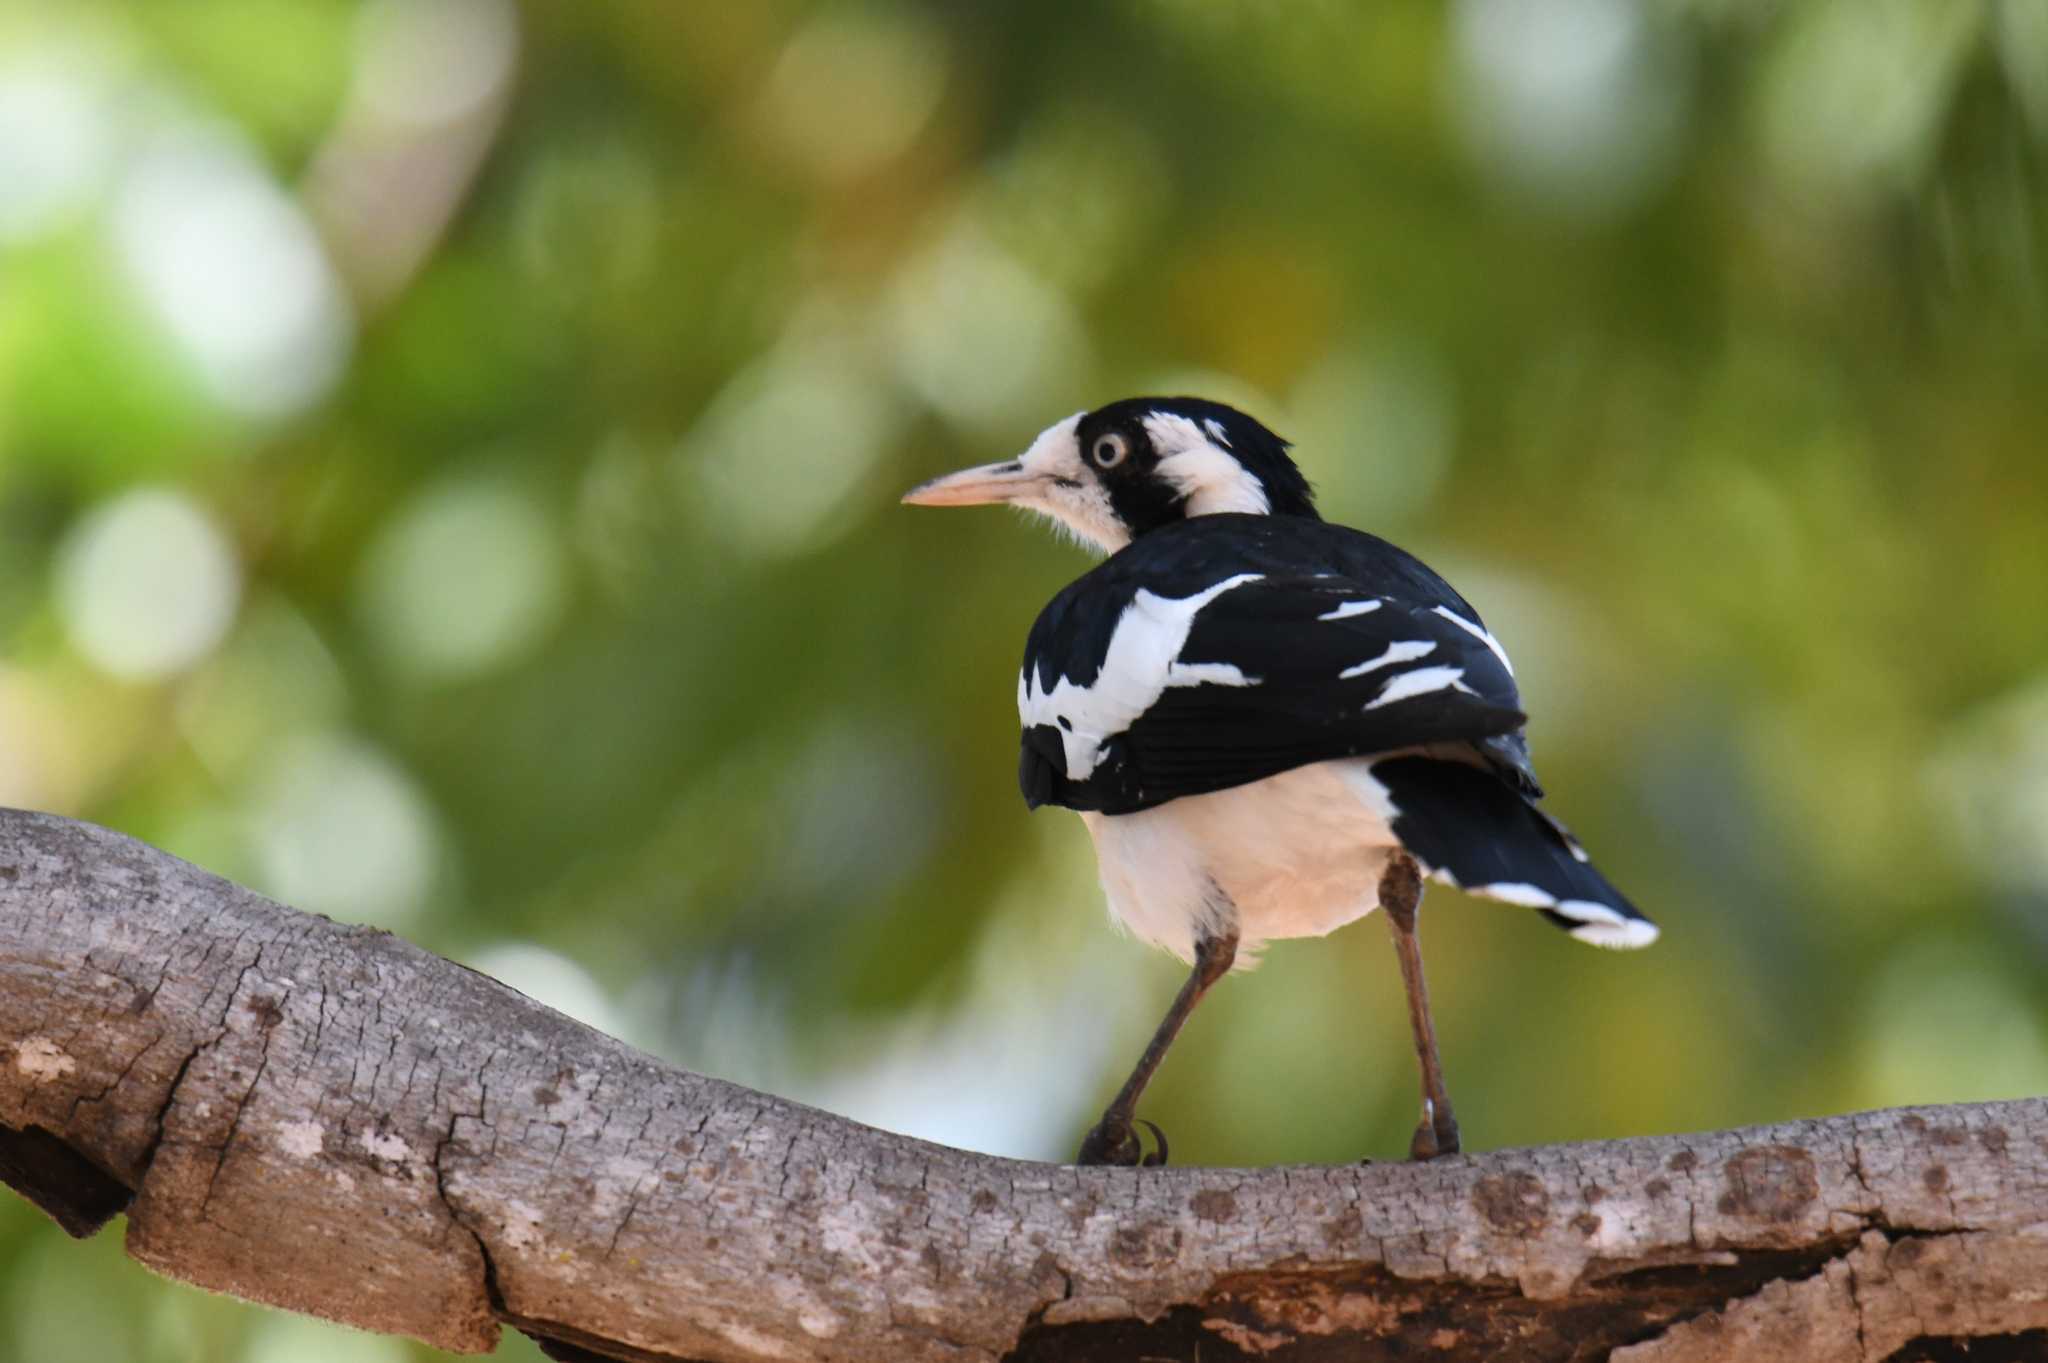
<point>1271,725</point>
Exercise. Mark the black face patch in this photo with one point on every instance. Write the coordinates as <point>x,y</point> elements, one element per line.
<point>1144,500</point>
<point>1139,496</point>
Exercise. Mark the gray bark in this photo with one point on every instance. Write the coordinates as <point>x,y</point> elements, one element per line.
<point>330,1120</point>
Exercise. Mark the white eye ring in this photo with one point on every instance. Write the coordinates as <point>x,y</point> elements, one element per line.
<point>1110,450</point>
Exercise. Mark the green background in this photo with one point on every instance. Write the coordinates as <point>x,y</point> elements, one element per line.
<point>448,471</point>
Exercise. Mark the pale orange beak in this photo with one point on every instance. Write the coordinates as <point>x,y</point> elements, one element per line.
<point>1006,482</point>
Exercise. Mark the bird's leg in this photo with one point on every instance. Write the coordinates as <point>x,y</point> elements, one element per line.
<point>1401,896</point>
<point>1112,1141</point>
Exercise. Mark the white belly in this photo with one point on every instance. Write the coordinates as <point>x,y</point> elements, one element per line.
<point>1295,855</point>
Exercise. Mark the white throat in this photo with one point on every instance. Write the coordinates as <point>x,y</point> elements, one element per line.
<point>1076,502</point>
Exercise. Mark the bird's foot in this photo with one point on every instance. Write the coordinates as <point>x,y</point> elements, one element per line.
<point>1436,1134</point>
<point>1112,1141</point>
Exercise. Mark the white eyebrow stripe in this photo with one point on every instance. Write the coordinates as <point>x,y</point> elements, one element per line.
<point>1406,651</point>
<point>1207,474</point>
<point>1480,633</point>
<point>1351,608</point>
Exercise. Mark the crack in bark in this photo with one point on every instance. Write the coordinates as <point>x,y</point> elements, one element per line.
<point>163,1114</point>
<point>1855,1286</point>
<point>2018,1346</point>
<point>99,1095</point>
<point>227,1144</point>
<point>1405,1318</point>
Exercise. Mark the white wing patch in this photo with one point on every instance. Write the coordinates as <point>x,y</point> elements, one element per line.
<point>1208,674</point>
<point>1216,432</point>
<point>1479,632</point>
<point>1351,608</point>
<point>1420,682</point>
<point>1142,661</point>
<point>1406,651</point>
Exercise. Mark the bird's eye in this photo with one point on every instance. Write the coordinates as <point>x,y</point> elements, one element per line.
<point>1110,451</point>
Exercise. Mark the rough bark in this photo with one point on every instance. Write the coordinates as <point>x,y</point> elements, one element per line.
<point>330,1120</point>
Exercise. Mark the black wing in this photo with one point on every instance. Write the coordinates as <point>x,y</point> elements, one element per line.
<point>1164,673</point>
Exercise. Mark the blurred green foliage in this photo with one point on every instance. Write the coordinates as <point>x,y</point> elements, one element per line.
<point>448,457</point>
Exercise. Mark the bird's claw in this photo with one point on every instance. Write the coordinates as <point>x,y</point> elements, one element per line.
<point>1436,1134</point>
<point>1112,1141</point>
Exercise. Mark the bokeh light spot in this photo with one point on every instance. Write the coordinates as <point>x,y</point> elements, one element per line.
<point>1990,778</point>
<point>2022,32</point>
<point>56,138</point>
<point>433,61</point>
<point>467,579</point>
<point>1573,105</point>
<point>981,338</point>
<point>1076,196</point>
<point>273,678</point>
<point>147,585</point>
<point>852,90</point>
<point>590,218</point>
<point>1855,92</point>
<point>340,829</point>
<point>230,265</point>
<point>785,445</point>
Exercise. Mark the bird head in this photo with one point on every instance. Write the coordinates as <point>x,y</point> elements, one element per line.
<point>1112,474</point>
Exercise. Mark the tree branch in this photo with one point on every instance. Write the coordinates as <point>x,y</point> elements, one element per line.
<point>330,1120</point>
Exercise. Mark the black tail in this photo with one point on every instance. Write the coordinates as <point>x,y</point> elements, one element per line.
<point>1471,831</point>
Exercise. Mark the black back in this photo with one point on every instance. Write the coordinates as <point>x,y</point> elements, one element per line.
<point>1289,634</point>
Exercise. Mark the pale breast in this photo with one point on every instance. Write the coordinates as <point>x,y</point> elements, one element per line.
<point>1295,855</point>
